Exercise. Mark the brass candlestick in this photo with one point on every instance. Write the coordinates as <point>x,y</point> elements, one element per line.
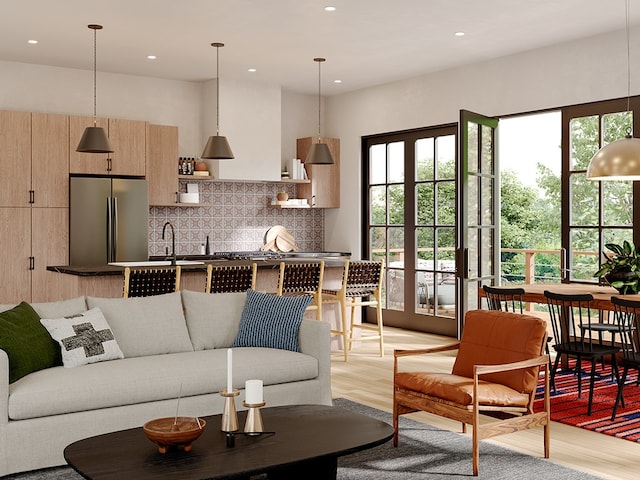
<point>229,414</point>
<point>253,424</point>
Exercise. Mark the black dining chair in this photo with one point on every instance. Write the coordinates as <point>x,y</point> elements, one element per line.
<point>506,299</point>
<point>627,318</point>
<point>570,316</point>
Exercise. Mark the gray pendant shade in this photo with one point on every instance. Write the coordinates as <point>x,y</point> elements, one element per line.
<point>217,147</point>
<point>94,140</point>
<point>619,160</point>
<point>319,154</point>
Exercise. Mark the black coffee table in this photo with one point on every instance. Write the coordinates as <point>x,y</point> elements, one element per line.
<point>306,443</point>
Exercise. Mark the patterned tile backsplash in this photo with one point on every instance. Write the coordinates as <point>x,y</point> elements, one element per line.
<point>236,220</point>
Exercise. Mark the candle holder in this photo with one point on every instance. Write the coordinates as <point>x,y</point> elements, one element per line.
<point>253,424</point>
<point>229,414</point>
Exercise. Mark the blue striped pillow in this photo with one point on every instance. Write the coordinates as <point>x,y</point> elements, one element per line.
<point>271,321</point>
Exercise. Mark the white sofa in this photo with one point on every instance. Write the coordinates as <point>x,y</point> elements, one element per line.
<point>171,343</point>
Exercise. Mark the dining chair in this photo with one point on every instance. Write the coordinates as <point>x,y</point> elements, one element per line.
<point>361,286</point>
<point>302,278</point>
<point>506,299</point>
<point>627,319</point>
<point>571,316</point>
<point>230,278</point>
<point>145,282</point>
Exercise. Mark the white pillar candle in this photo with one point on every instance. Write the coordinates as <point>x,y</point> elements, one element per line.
<point>253,392</point>
<point>229,370</point>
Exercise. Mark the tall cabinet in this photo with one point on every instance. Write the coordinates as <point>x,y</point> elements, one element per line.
<point>128,139</point>
<point>162,163</point>
<point>323,190</point>
<point>34,189</point>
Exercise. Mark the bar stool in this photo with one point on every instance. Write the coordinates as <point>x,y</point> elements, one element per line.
<point>145,282</point>
<point>230,278</point>
<point>297,278</point>
<point>360,279</point>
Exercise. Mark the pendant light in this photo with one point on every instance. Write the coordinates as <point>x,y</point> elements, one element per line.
<point>319,153</point>
<point>94,139</point>
<point>619,160</point>
<point>217,147</point>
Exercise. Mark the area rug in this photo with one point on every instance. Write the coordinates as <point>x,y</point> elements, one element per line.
<point>567,408</point>
<point>424,453</point>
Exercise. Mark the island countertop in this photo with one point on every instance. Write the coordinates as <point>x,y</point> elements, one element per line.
<point>331,259</point>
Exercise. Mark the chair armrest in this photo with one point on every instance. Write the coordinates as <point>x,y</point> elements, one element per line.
<point>422,351</point>
<point>505,367</point>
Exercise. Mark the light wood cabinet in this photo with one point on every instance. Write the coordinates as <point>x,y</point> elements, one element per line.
<point>162,165</point>
<point>15,159</point>
<point>34,217</point>
<point>128,139</point>
<point>323,189</point>
<point>15,275</point>
<point>49,160</point>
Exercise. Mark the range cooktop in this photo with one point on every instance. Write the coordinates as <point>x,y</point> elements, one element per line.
<point>248,255</point>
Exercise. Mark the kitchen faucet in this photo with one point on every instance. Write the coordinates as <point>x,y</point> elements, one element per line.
<point>173,241</point>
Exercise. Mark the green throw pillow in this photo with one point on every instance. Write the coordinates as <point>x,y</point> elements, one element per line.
<point>27,343</point>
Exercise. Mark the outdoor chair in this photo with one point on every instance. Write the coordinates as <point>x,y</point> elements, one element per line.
<point>230,278</point>
<point>298,278</point>
<point>495,373</point>
<point>361,286</point>
<point>626,317</point>
<point>145,282</point>
<point>571,319</point>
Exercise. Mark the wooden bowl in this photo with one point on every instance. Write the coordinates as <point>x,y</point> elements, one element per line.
<point>171,431</point>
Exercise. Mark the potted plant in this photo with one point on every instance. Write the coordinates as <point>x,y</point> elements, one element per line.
<point>621,269</point>
<point>282,196</point>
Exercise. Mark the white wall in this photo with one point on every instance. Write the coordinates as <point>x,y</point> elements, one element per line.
<point>583,71</point>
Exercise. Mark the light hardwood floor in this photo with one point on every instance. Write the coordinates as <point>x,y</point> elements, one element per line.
<point>367,378</point>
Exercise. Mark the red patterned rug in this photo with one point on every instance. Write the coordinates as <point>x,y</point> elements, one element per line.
<point>567,408</point>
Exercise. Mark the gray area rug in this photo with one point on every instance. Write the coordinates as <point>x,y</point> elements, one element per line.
<point>424,453</point>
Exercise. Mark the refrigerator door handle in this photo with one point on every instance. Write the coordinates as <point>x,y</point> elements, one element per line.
<point>115,229</point>
<point>109,221</point>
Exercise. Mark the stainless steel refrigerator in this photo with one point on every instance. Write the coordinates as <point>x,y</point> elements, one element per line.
<point>108,220</point>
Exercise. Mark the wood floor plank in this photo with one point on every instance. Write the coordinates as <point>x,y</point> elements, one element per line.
<point>367,378</point>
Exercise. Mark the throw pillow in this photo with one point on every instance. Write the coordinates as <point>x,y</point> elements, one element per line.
<point>271,321</point>
<point>26,342</point>
<point>212,318</point>
<point>84,338</point>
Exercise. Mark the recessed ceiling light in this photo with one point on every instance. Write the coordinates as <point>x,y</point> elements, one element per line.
<point>337,81</point>
<point>32,42</point>
<point>151,57</point>
<point>459,34</point>
<point>329,9</point>
<point>252,70</point>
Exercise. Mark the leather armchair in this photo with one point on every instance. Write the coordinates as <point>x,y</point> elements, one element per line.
<point>495,373</point>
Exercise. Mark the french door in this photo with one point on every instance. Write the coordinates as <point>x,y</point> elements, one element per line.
<point>478,254</point>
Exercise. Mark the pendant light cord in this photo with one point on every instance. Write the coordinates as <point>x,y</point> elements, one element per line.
<point>95,67</point>
<point>628,56</point>
<point>218,90</point>
<point>319,60</point>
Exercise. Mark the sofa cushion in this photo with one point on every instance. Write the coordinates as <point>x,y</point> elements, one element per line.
<point>27,343</point>
<point>271,321</point>
<point>212,319</point>
<point>144,379</point>
<point>83,338</point>
<point>62,308</point>
<point>146,325</point>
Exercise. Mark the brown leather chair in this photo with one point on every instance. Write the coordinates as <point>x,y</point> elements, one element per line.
<point>495,373</point>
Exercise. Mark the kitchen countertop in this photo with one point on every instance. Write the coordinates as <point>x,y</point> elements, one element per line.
<point>331,259</point>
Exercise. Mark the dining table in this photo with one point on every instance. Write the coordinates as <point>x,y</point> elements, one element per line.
<point>534,293</point>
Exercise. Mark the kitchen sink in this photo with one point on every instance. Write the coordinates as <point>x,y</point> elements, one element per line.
<point>156,263</point>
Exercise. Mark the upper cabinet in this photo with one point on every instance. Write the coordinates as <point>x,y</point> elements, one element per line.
<point>128,139</point>
<point>15,158</point>
<point>162,165</point>
<point>323,190</point>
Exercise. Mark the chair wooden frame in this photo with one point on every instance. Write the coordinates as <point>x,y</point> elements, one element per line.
<point>360,279</point>
<point>143,282</point>
<point>230,278</point>
<point>508,418</point>
<point>302,278</point>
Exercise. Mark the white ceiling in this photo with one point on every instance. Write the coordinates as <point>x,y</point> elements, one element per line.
<point>365,42</point>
